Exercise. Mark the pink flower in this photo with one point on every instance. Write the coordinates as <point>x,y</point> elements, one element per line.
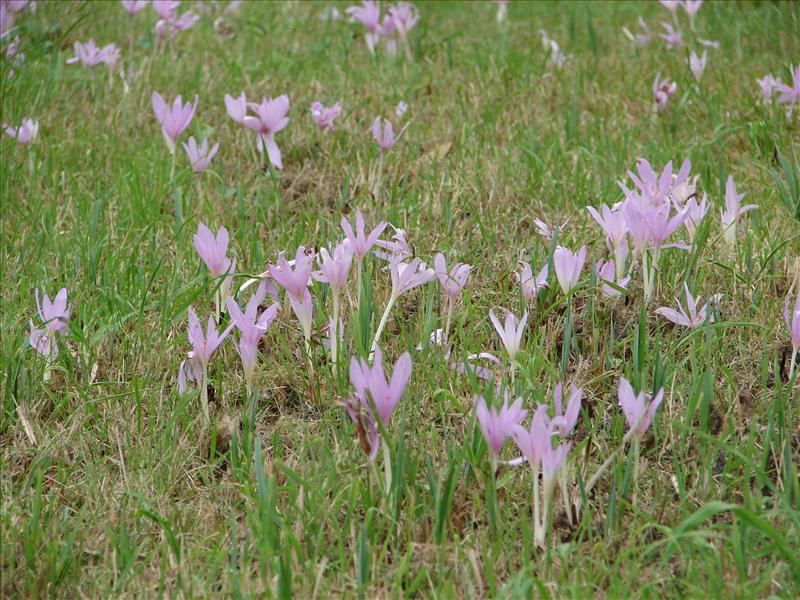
<point>369,15</point>
<point>498,426</point>
<point>359,241</point>
<point>533,442</point>
<point>653,187</point>
<point>401,109</point>
<point>691,7</point>
<point>334,269</point>
<point>613,224</point>
<point>694,318</point>
<point>698,65</point>
<point>662,90</point>
<point>695,212</point>
<point>271,118</point>
<point>768,85</point>
<point>568,266</point>
<point>553,460</point>
<point>645,37</point>
<point>671,5</point>
<point>236,107</point>
<point>169,23</point>
<point>733,211</point>
<point>790,94</point>
<point>532,286</point>
<point>89,55</point>
<point>199,156</point>
<point>205,344</point>
<point>452,283</point>
<point>793,320</point>
<point>607,271</point>
<point>54,316</point>
<point>174,120</point>
<point>510,332</point>
<point>26,133</point>
<point>639,408</point>
<point>294,280</point>
<point>564,421</point>
<point>404,17</point>
<point>708,43</point>
<point>672,38</point>
<point>372,380</point>
<point>396,246</point>
<point>251,326</point>
<point>213,249</point>
<point>385,139</point>
<point>166,9</point>
<point>324,116</point>
<point>407,276</point>
<point>134,6</point>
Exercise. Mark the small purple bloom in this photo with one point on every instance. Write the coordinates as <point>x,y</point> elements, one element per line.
<point>324,116</point>
<point>236,107</point>
<point>532,286</point>
<point>174,120</point>
<point>498,426</point>
<point>452,283</point>
<point>359,241</point>
<point>213,249</point>
<point>271,118</point>
<point>639,408</point>
<point>568,266</point>
<point>199,156</point>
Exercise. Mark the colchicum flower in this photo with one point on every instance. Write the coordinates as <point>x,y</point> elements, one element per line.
<point>698,64</point>
<point>334,270</point>
<point>510,332</point>
<point>662,90</point>
<point>733,211</point>
<point>174,120</point>
<point>498,425</point>
<point>605,270</point>
<point>639,408</point>
<point>252,327</point>
<point>271,118</point>
<point>324,116</point>
<point>213,251</point>
<point>199,156</point>
<point>295,281</point>
<point>89,55</point>
<point>793,323</point>
<point>26,133</point>
<point>694,318</point>
<point>54,316</point>
<point>568,266</point>
<point>532,286</point>
<point>236,107</point>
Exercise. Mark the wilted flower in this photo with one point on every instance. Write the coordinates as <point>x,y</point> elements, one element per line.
<point>510,332</point>
<point>698,65</point>
<point>733,211</point>
<point>26,133</point>
<point>271,118</point>
<point>236,107</point>
<point>199,156</point>
<point>694,318</point>
<point>498,425</point>
<point>174,120</point>
<point>639,408</point>
<point>532,286</point>
<point>568,266</point>
<point>324,116</point>
<point>662,90</point>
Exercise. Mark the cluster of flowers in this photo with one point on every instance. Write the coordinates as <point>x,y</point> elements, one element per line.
<point>398,21</point>
<point>787,94</point>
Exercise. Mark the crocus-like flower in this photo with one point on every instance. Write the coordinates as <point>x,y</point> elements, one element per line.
<point>54,316</point>
<point>768,85</point>
<point>204,344</point>
<point>793,320</point>
<point>236,107</point>
<point>639,408</point>
<point>568,266</point>
<point>733,211</point>
<point>335,268</point>
<point>698,64</point>
<point>89,55</point>
<point>174,120</point>
<point>251,326</point>
<point>691,7</point>
<point>213,249</point>
<point>406,276</point>
<point>695,212</point>
<point>564,420</point>
<point>790,94</point>
<point>401,109</point>
<point>654,187</point>
<point>165,9</point>
<point>452,283</point>
<point>671,5</point>
<point>553,460</point>
<point>650,225</point>
<point>694,318</point>
<point>271,118</point>
<point>404,17</point>
<point>373,389</point>
<point>557,58</point>
<point>708,43</point>
<point>533,442</point>
<point>25,133</point>
<point>672,38</point>
<point>546,230</point>
<point>200,156</point>
<point>662,90</point>
<point>134,6</point>
<point>359,241</point>
<point>169,23</point>
<point>510,332</point>
<point>606,270</point>
<point>396,246</point>
<point>645,37</point>
<point>293,280</point>
<point>615,228</point>
<point>498,426</point>
<point>323,116</point>
<point>532,286</point>
<point>369,15</point>
<point>384,138</point>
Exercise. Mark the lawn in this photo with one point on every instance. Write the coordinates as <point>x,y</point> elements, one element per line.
<point>295,477</point>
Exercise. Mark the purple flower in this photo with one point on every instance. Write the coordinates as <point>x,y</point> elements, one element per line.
<point>695,317</point>
<point>698,65</point>
<point>166,9</point>
<point>385,139</point>
<point>369,15</point>
<point>335,268</point>
<point>199,156</point>
<point>294,280</point>
<point>54,316</point>
<point>671,5</point>
<point>532,286</point>
<point>533,442</point>
<point>564,422</point>
<point>552,461</point>
<point>650,225</point>
<point>26,133</point>
<point>401,109</point>
<point>613,224</point>
<point>251,326</point>
<point>510,332</point>
<point>605,270</point>
<point>639,408</point>
<point>89,55</point>
<point>271,118</point>
<point>662,90</point>
<point>691,7</point>
<point>407,276</point>
<point>134,6</point>
<point>652,187</point>
<point>695,212</point>
<point>733,211</point>
<point>205,344</point>
<point>672,38</point>
<point>404,17</point>
<point>768,85</point>
<point>236,107</point>
<point>498,426</point>
<point>213,249</point>
<point>793,320</point>
<point>645,37</point>
<point>396,246</point>
<point>359,241</point>
<point>323,116</point>
<point>452,283</point>
<point>568,266</point>
<point>790,94</point>
<point>169,23</point>
<point>175,120</point>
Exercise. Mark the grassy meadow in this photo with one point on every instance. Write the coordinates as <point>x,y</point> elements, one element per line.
<point>114,485</point>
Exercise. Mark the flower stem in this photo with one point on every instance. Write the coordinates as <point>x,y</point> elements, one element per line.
<point>564,495</point>
<point>792,364</point>
<point>204,395</point>
<point>538,534</point>
<point>359,267</point>
<point>335,330</point>
<point>596,477</point>
<point>382,324</point>
<point>387,465</point>
<point>635,468</point>
<point>450,303</point>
